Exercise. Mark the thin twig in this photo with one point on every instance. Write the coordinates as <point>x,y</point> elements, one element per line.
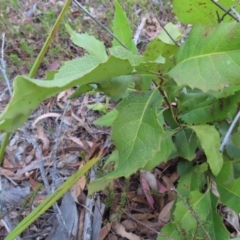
<point>3,66</point>
<point>164,29</point>
<point>54,154</point>
<point>99,23</point>
<point>4,73</point>
<point>224,9</point>
<point>236,13</point>
<point>223,16</point>
<point>141,223</point>
<point>227,136</point>
<point>139,30</point>
<point>192,212</point>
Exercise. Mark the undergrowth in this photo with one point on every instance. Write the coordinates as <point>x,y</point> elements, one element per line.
<point>175,100</point>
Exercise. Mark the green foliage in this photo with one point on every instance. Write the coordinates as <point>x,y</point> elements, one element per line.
<point>204,12</point>
<point>209,60</point>
<point>200,79</point>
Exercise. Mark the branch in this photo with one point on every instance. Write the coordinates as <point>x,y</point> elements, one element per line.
<point>225,10</point>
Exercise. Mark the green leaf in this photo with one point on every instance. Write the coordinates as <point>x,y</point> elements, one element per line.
<point>136,133</point>
<point>191,99</point>
<point>89,43</point>
<point>107,119</point>
<point>210,109</point>
<point>97,107</point>
<point>122,29</point>
<point>186,143</point>
<point>209,139</point>
<point>173,31</point>
<point>186,225</point>
<point>228,187</point>
<point>184,167</point>
<point>113,158</point>
<point>142,82</point>
<point>172,90</point>
<point>166,148</point>
<point>204,12</point>
<point>232,150</point>
<point>122,52</point>
<point>203,64</point>
<point>29,93</point>
<point>236,138</point>
<point>168,117</point>
<point>156,48</point>
<point>192,180</point>
<point>83,89</point>
<point>216,230</point>
<point>116,87</point>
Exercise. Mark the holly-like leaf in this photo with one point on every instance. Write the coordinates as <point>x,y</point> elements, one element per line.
<point>186,143</point>
<point>204,206</point>
<point>204,12</point>
<point>136,133</point>
<point>122,29</point>
<point>209,139</point>
<point>209,59</point>
<point>89,43</point>
<point>228,187</point>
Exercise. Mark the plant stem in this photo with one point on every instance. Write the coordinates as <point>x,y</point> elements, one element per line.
<point>170,106</point>
<point>3,146</point>
<point>48,41</point>
<point>36,65</point>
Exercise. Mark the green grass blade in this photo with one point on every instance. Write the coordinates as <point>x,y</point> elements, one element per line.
<point>50,200</point>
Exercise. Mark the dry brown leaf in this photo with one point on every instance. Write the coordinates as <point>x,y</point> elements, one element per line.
<point>112,237</point>
<point>164,215</point>
<point>85,144</point>
<point>6,172</point>
<point>34,165</point>
<point>38,199</point>
<point>142,216</point>
<point>104,231</point>
<point>174,177</point>
<point>169,185</point>
<point>10,164</point>
<point>33,183</point>
<point>136,198</point>
<point>54,65</point>
<point>57,115</point>
<point>83,106</point>
<point>129,225</point>
<point>43,137</point>
<point>120,229</point>
<point>82,123</point>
